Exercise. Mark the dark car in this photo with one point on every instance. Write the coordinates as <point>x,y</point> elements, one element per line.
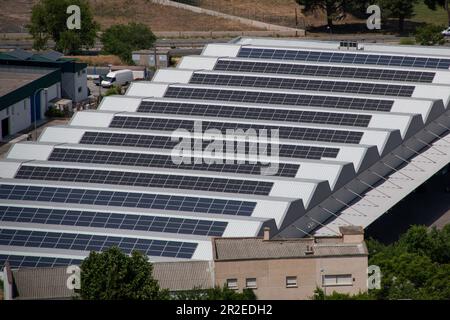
<point>99,80</point>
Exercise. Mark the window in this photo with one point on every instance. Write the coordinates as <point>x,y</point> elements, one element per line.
<point>250,283</point>
<point>291,282</point>
<point>337,280</point>
<point>79,89</point>
<point>232,284</point>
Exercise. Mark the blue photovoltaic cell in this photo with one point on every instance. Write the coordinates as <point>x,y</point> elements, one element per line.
<point>140,179</point>
<point>306,69</point>
<point>345,57</point>
<point>278,98</point>
<point>19,261</point>
<point>126,199</point>
<point>166,142</point>
<point>166,161</point>
<point>284,132</point>
<point>302,84</point>
<point>88,242</point>
<point>113,220</point>
<point>227,111</point>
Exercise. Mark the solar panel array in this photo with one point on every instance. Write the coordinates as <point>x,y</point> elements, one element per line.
<point>345,57</point>
<point>120,186</point>
<point>227,111</point>
<point>125,199</point>
<point>89,242</point>
<point>163,142</point>
<point>298,133</point>
<point>275,98</point>
<point>301,84</point>
<point>19,261</point>
<point>166,161</point>
<point>96,219</point>
<point>145,180</point>
<point>324,71</point>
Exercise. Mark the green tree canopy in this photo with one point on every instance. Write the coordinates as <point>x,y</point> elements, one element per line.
<point>49,21</point>
<point>112,275</point>
<point>216,293</point>
<point>433,4</point>
<point>430,35</point>
<point>122,40</point>
<point>334,9</point>
<point>417,266</point>
<point>399,9</point>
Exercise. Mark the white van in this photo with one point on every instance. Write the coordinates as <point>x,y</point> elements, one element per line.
<point>117,78</point>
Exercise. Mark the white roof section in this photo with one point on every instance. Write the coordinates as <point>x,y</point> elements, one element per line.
<point>326,184</point>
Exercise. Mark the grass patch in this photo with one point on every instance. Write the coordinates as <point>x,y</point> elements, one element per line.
<point>426,15</point>
<point>99,61</point>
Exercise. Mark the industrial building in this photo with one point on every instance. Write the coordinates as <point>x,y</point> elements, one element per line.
<point>31,82</point>
<point>273,268</point>
<point>359,127</point>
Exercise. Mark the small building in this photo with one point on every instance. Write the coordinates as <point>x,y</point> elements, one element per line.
<point>292,268</point>
<point>29,82</point>
<point>73,73</point>
<point>23,97</point>
<point>147,58</point>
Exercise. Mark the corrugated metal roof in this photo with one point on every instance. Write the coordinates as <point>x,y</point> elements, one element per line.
<point>179,276</point>
<point>41,283</point>
<point>258,248</point>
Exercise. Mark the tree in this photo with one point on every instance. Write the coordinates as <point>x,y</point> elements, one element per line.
<point>114,90</point>
<point>399,9</point>
<point>433,4</point>
<point>122,40</point>
<point>430,35</point>
<point>333,9</point>
<point>112,275</point>
<point>417,266</point>
<point>216,293</point>
<point>319,294</point>
<point>49,21</point>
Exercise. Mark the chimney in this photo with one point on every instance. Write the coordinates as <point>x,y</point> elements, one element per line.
<point>266,233</point>
<point>352,234</point>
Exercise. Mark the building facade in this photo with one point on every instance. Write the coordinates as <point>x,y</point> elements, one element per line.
<point>293,268</point>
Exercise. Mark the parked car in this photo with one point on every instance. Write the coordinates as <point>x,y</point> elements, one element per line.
<point>117,78</point>
<point>446,32</point>
<point>98,81</point>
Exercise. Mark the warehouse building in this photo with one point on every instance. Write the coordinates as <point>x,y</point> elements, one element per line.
<point>358,128</point>
<point>31,82</point>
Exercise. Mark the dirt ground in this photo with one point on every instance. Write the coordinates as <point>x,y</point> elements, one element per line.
<point>15,15</point>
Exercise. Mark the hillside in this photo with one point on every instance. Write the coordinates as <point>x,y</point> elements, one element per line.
<point>16,14</point>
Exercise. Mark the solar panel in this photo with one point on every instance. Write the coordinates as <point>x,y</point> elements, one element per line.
<point>226,111</point>
<point>298,133</point>
<point>345,57</point>
<point>324,71</point>
<point>166,161</point>
<point>113,220</point>
<point>88,242</point>
<point>145,180</point>
<point>279,98</point>
<point>19,261</point>
<point>126,199</point>
<point>160,142</point>
<point>301,84</point>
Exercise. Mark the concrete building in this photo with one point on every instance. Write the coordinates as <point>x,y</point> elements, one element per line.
<point>25,93</point>
<point>288,269</point>
<point>31,82</point>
